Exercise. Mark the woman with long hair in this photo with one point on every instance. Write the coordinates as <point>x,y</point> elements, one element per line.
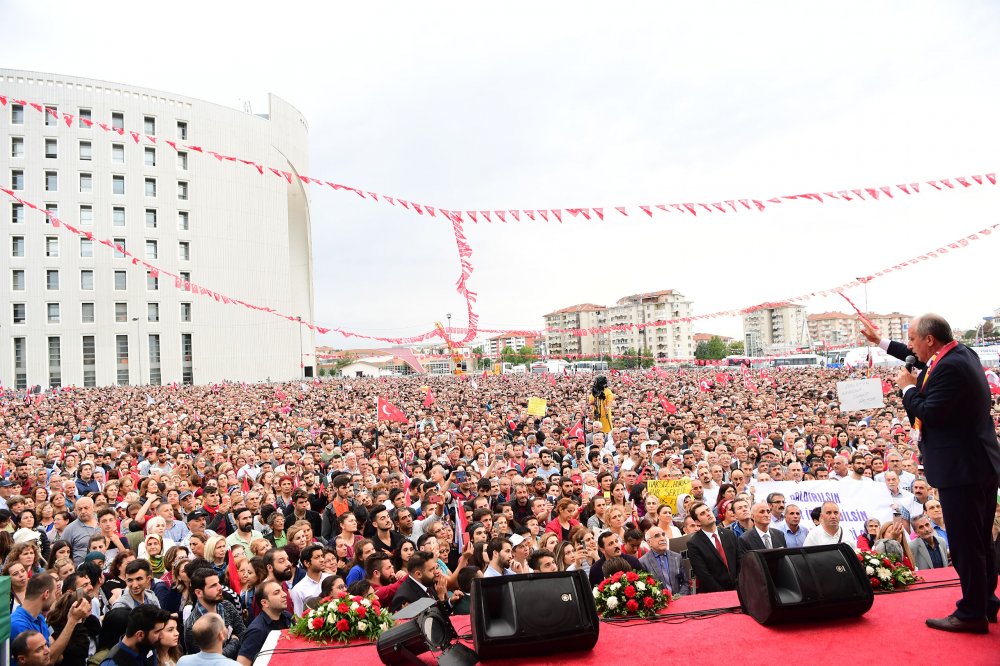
<point>18,582</point>
<point>168,646</point>
<point>548,541</point>
<point>727,491</point>
<point>615,516</point>
<point>176,596</point>
<point>565,520</point>
<point>618,496</point>
<point>565,553</point>
<point>78,648</point>
<point>217,554</point>
<point>27,554</point>
<point>62,568</point>
<point>892,540</point>
<point>46,517</point>
<point>58,550</point>
<point>173,554</point>
<point>585,544</point>
<point>403,554</point>
<point>114,579</point>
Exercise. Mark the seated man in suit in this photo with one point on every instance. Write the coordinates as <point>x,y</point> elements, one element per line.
<point>665,565</point>
<point>762,536</point>
<point>713,553</point>
<point>929,552</point>
<point>423,582</point>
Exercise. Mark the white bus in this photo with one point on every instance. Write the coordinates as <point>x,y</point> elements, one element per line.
<point>799,361</point>
<point>590,366</point>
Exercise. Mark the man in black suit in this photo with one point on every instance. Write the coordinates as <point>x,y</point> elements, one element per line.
<point>423,582</point>
<point>713,553</point>
<point>610,546</point>
<point>948,403</point>
<point>762,536</point>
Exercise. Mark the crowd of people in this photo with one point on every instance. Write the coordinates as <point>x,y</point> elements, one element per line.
<point>165,524</point>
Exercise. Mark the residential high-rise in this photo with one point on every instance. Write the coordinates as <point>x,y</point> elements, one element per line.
<point>774,330</point>
<point>586,315</point>
<point>841,328</point>
<point>75,312</point>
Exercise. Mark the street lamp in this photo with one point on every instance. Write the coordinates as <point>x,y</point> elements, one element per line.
<point>138,336</point>
<point>302,365</point>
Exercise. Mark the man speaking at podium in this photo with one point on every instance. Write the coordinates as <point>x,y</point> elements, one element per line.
<point>947,399</point>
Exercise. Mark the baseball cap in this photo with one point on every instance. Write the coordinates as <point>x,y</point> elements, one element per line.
<point>515,540</point>
<point>187,493</point>
<point>576,478</point>
<point>5,483</point>
<point>196,514</point>
<point>121,505</point>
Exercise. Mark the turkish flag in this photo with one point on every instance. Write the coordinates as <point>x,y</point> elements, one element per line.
<point>649,396</point>
<point>886,387</point>
<point>668,406</point>
<point>660,372</point>
<point>388,412</point>
<point>429,398</point>
<point>705,386</point>
<point>280,395</point>
<point>577,431</point>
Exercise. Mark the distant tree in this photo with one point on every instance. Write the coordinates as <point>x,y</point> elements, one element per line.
<point>711,350</point>
<point>987,329</point>
<point>507,354</point>
<point>737,348</point>
<point>969,334</point>
<point>525,354</point>
<point>701,351</point>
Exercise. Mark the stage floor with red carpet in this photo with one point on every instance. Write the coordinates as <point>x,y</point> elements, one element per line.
<point>893,631</point>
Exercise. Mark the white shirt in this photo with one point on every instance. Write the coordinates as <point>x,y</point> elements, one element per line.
<point>819,537</point>
<point>306,589</point>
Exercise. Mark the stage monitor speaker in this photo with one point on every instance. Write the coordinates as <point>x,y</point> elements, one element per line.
<point>803,584</point>
<point>533,614</point>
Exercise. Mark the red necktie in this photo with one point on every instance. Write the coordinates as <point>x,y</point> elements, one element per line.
<point>722,552</point>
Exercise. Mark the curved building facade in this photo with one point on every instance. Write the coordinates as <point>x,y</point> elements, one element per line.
<point>75,312</point>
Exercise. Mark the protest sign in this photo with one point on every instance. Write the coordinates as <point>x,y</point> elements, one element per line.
<point>858,500</point>
<point>536,406</point>
<point>860,394</point>
<point>667,491</point>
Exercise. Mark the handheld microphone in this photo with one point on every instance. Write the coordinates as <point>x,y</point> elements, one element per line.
<point>910,362</point>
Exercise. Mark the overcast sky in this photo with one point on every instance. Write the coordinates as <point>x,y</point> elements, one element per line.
<point>576,104</point>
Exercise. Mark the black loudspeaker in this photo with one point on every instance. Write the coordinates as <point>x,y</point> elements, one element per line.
<point>803,584</point>
<point>533,614</point>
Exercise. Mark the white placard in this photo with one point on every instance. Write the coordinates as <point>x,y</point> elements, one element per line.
<point>860,394</point>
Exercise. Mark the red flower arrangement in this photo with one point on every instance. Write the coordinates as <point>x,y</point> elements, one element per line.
<point>630,593</point>
<point>343,618</point>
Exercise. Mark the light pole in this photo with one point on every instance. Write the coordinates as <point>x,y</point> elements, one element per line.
<point>302,365</point>
<point>138,336</point>
<point>980,333</point>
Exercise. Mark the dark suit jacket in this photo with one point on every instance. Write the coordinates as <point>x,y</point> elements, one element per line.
<point>407,593</point>
<point>679,582</point>
<point>750,540</point>
<point>712,575</point>
<point>958,441</point>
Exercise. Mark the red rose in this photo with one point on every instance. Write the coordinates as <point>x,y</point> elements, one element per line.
<point>649,581</point>
<point>861,557</point>
<point>875,582</point>
<point>343,608</point>
<point>649,602</point>
<point>632,605</point>
<point>600,587</point>
<point>343,625</point>
<point>629,591</point>
<point>632,576</point>
<point>617,577</point>
<point>887,562</point>
<point>317,622</point>
<point>361,610</point>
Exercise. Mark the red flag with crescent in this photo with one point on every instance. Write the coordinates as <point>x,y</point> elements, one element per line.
<point>388,412</point>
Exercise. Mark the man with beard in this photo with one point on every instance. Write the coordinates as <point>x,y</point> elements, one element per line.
<point>281,571</point>
<point>245,534</point>
<point>610,546</point>
<point>209,598</point>
<point>141,635</point>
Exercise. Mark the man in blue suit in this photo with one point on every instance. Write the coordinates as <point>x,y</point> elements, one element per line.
<point>948,402</point>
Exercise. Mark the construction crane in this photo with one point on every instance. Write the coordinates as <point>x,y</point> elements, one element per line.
<point>456,357</point>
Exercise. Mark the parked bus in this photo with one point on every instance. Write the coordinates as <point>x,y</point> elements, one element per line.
<point>799,361</point>
<point>590,366</point>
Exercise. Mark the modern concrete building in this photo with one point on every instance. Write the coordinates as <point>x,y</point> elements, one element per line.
<point>841,328</point>
<point>498,343</point>
<point>774,330</point>
<point>586,315</point>
<point>75,312</point>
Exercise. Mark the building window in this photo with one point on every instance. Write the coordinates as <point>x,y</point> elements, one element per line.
<point>51,149</point>
<point>151,250</point>
<point>154,360</point>
<point>117,120</point>
<point>152,312</point>
<point>51,181</point>
<point>119,248</point>
<point>52,210</point>
<point>182,130</point>
<point>182,190</point>
<point>55,362</point>
<point>182,160</point>
<point>186,312</point>
<point>150,218</point>
<point>17,115</point>
<point>87,313</point>
<point>121,358</point>
<point>118,216</point>
<point>17,213</point>
<point>149,125</point>
<point>17,146</point>
<point>19,313</point>
<point>52,279</point>
<point>89,361</point>
<point>51,116</point>
<point>86,215</point>
<point>184,248</point>
<point>185,276</point>
<point>149,157</point>
<point>187,349</point>
<point>86,151</point>
<point>117,184</point>
<point>17,179</point>
<point>85,116</point>
<point>86,182</point>
<point>121,281</point>
<point>87,280</point>
<point>121,313</point>
<point>52,312</point>
<point>17,246</point>
<point>150,187</point>
<point>86,248</point>
<point>17,279</point>
<point>152,283</point>
<point>118,153</point>
<point>51,246</point>
<point>20,363</point>
<point>183,220</point>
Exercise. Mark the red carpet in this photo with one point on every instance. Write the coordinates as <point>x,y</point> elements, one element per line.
<point>892,632</point>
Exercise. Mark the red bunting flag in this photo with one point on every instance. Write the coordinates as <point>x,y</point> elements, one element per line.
<point>388,412</point>
<point>668,407</point>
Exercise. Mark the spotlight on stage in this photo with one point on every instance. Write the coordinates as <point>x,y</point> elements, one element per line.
<point>429,630</point>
